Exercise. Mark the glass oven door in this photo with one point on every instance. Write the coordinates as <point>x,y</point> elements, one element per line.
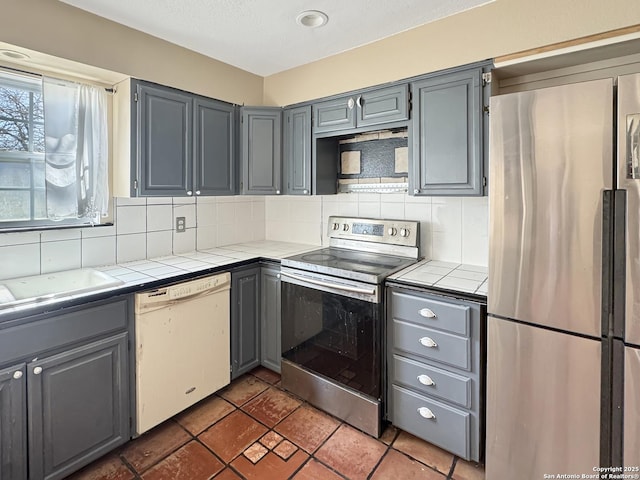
<point>333,327</point>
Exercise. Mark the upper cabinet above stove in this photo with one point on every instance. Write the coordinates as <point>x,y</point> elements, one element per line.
<point>362,109</point>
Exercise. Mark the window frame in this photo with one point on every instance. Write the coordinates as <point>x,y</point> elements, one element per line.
<point>31,82</point>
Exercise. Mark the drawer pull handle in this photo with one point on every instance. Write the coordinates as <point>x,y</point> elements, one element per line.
<point>426,413</point>
<point>426,380</point>
<point>428,342</point>
<point>427,313</point>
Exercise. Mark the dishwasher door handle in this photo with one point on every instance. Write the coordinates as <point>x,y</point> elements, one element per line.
<point>336,286</point>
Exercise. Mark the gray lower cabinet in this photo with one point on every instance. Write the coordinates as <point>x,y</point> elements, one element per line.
<point>183,144</point>
<point>78,406</point>
<point>13,423</point>
<point>270,318</point>
<point>434,360</point>
<point>64,389</point>
<point>245,320</point>
<point>261,151</point>
<point>448,134</point>
<point>297,150</point>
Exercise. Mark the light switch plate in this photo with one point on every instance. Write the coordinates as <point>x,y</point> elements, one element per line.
<point>181,224</point>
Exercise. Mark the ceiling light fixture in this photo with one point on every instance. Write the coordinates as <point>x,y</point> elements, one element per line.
<point>14,55</point>
<point>312,19</point>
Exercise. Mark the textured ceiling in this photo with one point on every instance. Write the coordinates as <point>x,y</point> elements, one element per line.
<point>261,36</point>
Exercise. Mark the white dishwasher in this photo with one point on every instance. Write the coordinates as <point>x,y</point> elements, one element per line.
<point>182,347</point>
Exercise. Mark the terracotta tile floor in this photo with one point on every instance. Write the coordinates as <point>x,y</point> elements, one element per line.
<point>254,430</point>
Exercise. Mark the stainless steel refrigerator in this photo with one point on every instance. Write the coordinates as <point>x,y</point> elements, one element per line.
<point>563,342</point>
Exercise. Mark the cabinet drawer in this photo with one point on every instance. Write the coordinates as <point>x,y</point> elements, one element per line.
<point>448,427</point>
<point>433,344</point>
<point>431,313</point>
<point>432,381</point>
<point>48,332</point>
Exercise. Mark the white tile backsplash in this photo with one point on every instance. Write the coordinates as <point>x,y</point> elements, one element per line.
<point>20,260</point>
<point>184,242</point>
<point>159,243</point>
<point>98,251</point>
<point>131,219</point>
<point>131,247</point>
<point>452,229</point>
<point>60,255</point>
<point>159,217</point>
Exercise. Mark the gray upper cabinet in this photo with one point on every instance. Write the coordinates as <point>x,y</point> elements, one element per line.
<point>366,109</point>
<point>261,151</point>
<point>164,129</point>
<point>78,407</point>
<point>183,144</point>
<point>331,115</point>
<point>447,148</point>
<point>214,147</point>
<point>270,318</point>
<point>13,426</point>
<point>245,320</point>
<point>383,106</point>
<point>297,150</point>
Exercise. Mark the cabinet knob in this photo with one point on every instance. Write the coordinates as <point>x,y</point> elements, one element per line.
<point>427,313</point>
<point>37,370</point>
<point>277,275</point>
<point>305,191</point>
<point>197,192</point>
<point>416,191</point>
<point>350,104</point>
<point>277,192</point>
<point>426,413</point>
<point>428,342</point>
<point>359,101</point>
<point>17,375</point>
<point>189,192</point>
<point>426,380</point>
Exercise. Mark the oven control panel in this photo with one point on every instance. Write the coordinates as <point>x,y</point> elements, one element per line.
<point>393,232</point>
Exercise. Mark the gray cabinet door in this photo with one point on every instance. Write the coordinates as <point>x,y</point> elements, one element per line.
<point>270,318</point>
<point>447,157</point>
<point>297,151</point>
<point>332,115</point>
<point>13,426</point>
<point>245,321</point>
<point>78,406</point>
<point>261,151</point>
<point>164,135</point>
<point>383,105</point>
<point>214,147</point>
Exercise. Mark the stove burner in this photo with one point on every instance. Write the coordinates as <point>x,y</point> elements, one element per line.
<point>318,257</point>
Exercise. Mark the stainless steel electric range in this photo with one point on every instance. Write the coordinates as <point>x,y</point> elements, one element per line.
<point>333,316</point>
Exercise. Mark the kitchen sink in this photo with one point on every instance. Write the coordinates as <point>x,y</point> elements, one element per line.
<point>39,288</point>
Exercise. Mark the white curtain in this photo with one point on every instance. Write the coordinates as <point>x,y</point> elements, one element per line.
<point>76,150</point>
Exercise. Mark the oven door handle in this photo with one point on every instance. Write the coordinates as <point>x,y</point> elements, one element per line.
<point>336,286</point>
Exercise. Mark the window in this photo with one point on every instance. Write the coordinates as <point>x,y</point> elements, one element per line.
<point>22,176</point>
<point>53,152</point>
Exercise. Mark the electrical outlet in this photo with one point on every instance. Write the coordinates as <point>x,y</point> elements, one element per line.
<point>181,224</point>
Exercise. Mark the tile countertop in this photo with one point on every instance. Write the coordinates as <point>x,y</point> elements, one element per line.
<point>445,275</point>
<point>151,271</point>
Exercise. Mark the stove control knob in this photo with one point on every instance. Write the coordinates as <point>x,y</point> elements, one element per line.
<point>336,226</point>
<point>392,232</point>
<point>345,227</point>
<point>404,232</point>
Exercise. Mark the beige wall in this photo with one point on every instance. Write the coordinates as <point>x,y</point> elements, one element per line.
<point>499,28</point>
<point>54,28</point>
